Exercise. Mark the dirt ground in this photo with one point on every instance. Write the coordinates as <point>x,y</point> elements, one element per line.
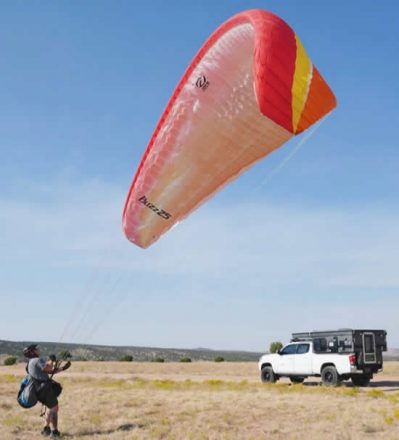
<point>203,400</point>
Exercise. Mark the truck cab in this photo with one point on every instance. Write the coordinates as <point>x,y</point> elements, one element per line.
<point>293,357</point>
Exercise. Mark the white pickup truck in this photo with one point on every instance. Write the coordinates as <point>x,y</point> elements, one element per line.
<point>305,357</point>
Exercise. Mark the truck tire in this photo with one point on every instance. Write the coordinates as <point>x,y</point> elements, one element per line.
<point>296,379</point>
<point>360,380</point>
<point>330,376</point>
<point>267,375</point>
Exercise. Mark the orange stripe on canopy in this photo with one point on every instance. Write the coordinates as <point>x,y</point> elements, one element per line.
<point>321,100</point>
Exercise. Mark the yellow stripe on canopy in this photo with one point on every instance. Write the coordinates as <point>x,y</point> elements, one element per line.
<point>301,82</point>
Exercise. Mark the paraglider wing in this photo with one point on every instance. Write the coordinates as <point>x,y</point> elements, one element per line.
<point>250,88</point>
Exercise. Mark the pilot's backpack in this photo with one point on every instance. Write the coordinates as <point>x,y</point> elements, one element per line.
<point>27,396</point>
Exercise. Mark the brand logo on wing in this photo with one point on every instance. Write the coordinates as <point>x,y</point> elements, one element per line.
<point>202,83</point>
<point>162,213</point>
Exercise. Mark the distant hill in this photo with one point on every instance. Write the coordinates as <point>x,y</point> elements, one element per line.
<point>392,354</point>
<point>86,352</point>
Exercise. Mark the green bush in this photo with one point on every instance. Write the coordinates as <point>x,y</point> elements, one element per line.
<point>185,359</point>
<point>158,359</point>
<point>219,359</point>
<point>126,358</point>
<point>275,347</point>
<point>11,360</point>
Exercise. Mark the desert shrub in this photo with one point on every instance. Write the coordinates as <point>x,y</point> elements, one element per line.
<point>8,378</point>
<point>219,359</point>
<point>389,420</point>
<point>351,391</point>
<point>15,422</point>
<point>11,360</point>
<point>164,384</point>
<point>158,359</point>
<point>275,346</point>
<point>214,382</point>
<point>185,359</point>
<point>375,394</point>
<point>114,383</point>
<point>126,358</point>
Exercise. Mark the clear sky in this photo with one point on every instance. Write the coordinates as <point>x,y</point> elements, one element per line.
<point>309,245</point>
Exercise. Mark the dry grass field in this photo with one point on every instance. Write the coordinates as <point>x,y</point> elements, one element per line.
<point>203,400</point>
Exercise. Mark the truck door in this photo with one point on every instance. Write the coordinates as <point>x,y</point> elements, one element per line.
<point>303,359</point>
<point>369,348</point>
<point>286,359</point>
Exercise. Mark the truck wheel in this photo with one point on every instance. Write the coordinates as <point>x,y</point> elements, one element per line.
<point>296,379</point>
<point>267,375</point>
<point>359,380</point>
<point>330,376</point>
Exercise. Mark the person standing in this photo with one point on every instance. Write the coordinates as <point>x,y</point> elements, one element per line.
<point>47,390</point>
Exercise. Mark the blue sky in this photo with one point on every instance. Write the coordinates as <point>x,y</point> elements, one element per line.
<point>312,244</point>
